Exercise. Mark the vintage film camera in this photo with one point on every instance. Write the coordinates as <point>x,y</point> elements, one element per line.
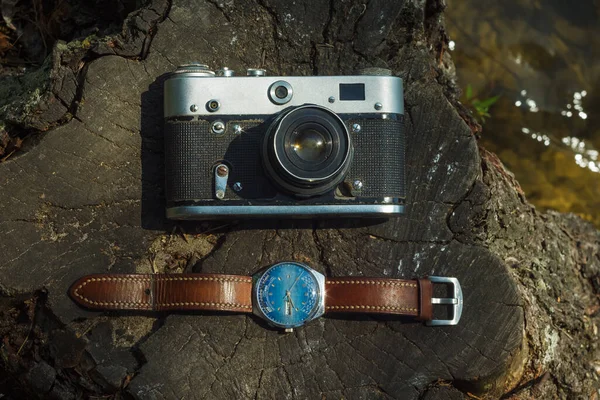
<point>294,146</point>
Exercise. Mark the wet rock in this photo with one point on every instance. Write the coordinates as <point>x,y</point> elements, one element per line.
<point>66,349</point>
<point>110,377</point>
<point>443,393</point>
<point>112,363</point>
<point>61,391</point>
<point>41,377</point>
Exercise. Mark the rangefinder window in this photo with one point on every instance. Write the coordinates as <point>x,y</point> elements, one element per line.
<point>352,91</point>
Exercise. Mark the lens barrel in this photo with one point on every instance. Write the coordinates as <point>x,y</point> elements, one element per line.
<point>307,150</point>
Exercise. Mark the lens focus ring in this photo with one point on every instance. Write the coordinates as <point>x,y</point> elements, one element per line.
<point>307,150</point>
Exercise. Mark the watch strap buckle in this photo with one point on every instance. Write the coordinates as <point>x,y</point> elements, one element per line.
<point>456,301</point>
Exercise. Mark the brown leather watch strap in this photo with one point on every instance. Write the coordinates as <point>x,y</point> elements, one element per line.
<point>159,292</point>
<point>377,295</point>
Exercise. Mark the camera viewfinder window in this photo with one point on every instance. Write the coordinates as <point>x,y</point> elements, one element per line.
<point>352,91</point>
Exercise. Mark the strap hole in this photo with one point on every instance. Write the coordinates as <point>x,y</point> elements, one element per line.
<point>147,291</point>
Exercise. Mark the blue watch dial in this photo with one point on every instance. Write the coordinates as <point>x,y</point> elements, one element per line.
<point>287,294</point>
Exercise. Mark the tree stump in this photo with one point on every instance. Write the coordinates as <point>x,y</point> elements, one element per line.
<point>87,197</point>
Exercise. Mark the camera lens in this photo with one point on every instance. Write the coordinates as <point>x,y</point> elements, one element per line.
<point>307,150</point>
<point>311,145</point>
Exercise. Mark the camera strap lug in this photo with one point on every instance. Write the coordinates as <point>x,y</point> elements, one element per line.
<point>221,177</point>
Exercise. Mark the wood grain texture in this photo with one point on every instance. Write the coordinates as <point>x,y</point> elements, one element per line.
<point>88,198</point>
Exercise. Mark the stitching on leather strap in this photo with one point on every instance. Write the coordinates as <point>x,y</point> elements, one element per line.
<point>116,278</point>
<point>147,304</point>
<point>384,283</point>
<point>165,278</point>
<point>224,305</point>
<point>202,278</point>
<point>361,307</point>
<point>114,303</point>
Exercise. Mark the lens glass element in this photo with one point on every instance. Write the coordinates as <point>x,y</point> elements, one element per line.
<point>311,145</point>
<point>307,150</point>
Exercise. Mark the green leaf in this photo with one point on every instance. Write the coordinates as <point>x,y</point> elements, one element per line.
<point>487,103</point>
<point>469,92</point>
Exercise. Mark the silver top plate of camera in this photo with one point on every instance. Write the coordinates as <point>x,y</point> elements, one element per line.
<point>188,93</point>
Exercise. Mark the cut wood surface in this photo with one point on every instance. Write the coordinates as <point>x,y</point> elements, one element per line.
<point>88,197</point>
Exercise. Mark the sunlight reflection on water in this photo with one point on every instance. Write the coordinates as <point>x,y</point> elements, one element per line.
<point>542,58</point>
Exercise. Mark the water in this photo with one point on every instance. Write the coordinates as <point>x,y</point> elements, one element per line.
<point>543,59</point>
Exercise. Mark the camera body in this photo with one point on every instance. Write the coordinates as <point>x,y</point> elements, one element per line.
<point>260,146</point>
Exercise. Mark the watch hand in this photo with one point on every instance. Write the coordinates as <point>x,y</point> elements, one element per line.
<point>290,299</point>
<point>294,284</point>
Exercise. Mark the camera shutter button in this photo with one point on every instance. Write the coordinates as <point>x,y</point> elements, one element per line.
<point>256,72</point>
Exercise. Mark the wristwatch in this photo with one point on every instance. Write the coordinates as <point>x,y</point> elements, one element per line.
<point>287,294</point>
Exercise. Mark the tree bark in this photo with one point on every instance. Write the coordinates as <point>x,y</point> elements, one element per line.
<point>87,197</point>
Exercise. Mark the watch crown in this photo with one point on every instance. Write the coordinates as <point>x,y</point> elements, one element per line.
<point>289,330</point>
